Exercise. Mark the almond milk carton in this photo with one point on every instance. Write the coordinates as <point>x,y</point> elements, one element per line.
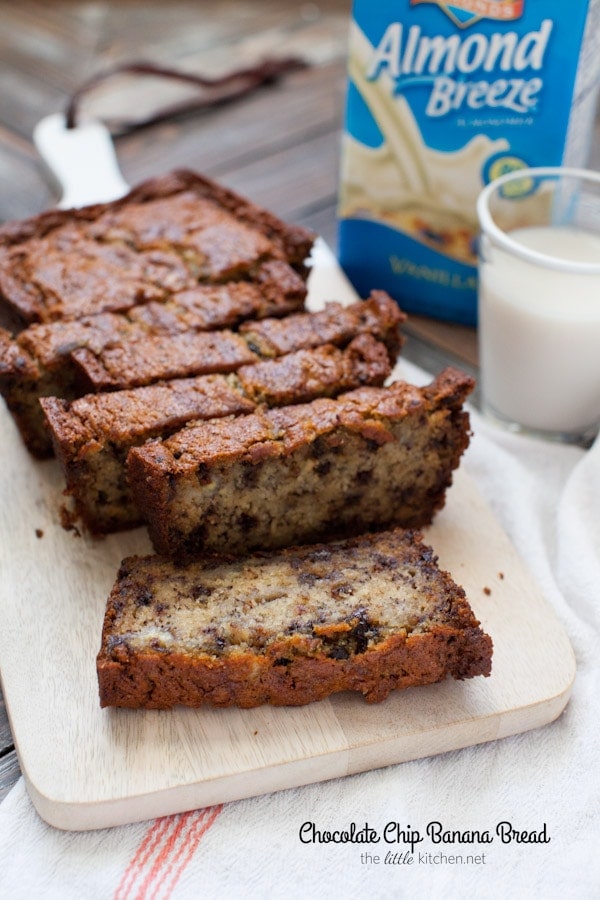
<point>442,98</point>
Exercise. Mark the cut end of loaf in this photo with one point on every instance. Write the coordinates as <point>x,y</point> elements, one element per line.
<point>370,614</point>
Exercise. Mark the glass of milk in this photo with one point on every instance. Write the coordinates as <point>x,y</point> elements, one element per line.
<point>539,302</point>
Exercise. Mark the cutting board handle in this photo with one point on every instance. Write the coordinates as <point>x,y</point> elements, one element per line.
<point>82,160</point>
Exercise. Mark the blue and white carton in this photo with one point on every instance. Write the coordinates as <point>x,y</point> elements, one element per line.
<point>442,98</point>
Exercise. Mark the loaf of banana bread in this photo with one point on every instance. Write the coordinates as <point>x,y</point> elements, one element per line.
<point>370,614</point>
<point>370,458</point>
<point>92,435</point>
<point>167,235</point>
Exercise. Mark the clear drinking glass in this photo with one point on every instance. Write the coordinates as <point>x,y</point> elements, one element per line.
<point>539,302</point>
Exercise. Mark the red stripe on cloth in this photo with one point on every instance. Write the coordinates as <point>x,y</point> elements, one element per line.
<point>180,860</point>
<point>163,854</point>
<point>153,836</point>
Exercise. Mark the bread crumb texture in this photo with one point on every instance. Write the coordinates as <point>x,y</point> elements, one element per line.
<point>370,614</point>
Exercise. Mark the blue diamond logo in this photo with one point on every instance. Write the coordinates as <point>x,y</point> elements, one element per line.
<point>461,17</point>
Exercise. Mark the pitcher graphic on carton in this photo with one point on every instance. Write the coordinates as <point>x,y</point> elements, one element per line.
<point>442,98</point>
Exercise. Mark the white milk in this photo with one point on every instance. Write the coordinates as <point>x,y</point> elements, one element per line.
<point>540,333</point>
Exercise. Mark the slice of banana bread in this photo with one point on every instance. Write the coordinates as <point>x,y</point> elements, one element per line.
<point>38,361</point>
<point>370,614</point>
<point>150,358</point>
<point>92,435</point>
<point>370,458</point>
<point>165,236</point>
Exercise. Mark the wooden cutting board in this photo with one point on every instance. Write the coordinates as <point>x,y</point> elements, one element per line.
<point>89,768</point>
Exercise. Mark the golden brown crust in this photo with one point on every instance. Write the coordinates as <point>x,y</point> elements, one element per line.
<point>38,362</point>
<point>408,624</point>
<point>122,364</point>
<point>158,358</point>
<point>164,236</point>
<point>149,411</point>
<point>378,315</point>
<point>67,275</point>
<point>275,290</point>
<point>159,341</point>
<point>280,432</point>
<point>128,416</point>
<point>370,458</point>
<point>324,371</point>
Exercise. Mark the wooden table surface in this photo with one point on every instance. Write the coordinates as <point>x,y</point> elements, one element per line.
<point>278,146</point>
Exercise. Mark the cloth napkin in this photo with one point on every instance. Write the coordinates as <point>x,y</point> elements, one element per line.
<point>548,499</point>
